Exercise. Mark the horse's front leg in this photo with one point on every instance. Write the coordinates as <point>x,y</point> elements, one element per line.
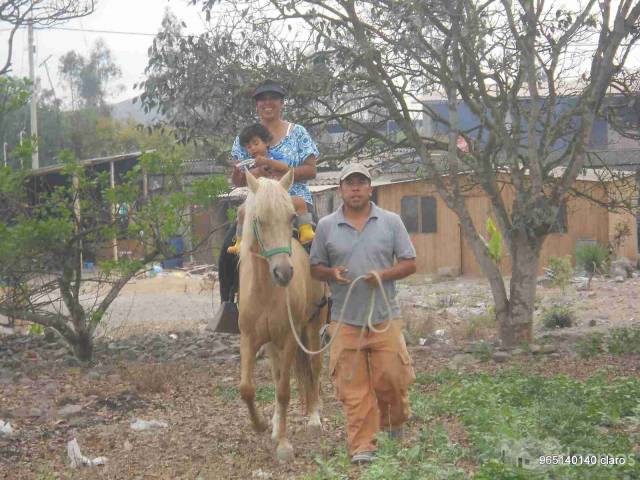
<point>247,386</point>
<point>284,451</point>
<point>274,357</point>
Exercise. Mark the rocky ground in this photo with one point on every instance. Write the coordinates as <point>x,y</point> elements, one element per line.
<point>155,361</point>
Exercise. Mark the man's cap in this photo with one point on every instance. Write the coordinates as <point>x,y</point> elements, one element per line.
<point>269,86</point>
<point>352,168</point>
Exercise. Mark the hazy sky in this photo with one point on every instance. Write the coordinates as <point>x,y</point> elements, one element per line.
<point>129,51</point>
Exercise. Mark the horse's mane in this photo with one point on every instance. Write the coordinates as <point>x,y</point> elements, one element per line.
<point>270,200</point>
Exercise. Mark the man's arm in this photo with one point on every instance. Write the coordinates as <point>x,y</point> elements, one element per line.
<point>400,270</point>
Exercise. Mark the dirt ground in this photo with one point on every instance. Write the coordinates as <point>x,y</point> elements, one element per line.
<point>208,434</point>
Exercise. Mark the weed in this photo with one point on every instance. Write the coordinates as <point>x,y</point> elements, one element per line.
<point>228,393</point>
<point>590,345</point>
<point>560,271</point>
<point>483,351</point>
<point>624,341</point>
<point>478,324</point>
<point>153,378</point>
<point>558,316</point>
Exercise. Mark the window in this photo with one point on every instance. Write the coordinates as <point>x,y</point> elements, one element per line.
<point>409,213</point>
<point>419,214</point>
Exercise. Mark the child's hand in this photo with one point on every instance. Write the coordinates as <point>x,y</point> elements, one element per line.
<point>261,160</point>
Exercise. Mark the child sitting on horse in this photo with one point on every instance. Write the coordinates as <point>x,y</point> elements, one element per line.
<point>255,139</point>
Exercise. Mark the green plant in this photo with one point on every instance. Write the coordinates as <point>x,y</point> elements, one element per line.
<point>560,271</point>
<point>623,341</point>
<point>590,345</point>
<point>557,316</point>
<point>228,393</point>
<point>483,351</point>
<point>494,244</point>
<point>478,323</point>
<point>593,258</point>
<point>36,329</point>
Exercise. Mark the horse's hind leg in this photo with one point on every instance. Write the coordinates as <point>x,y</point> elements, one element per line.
<point>313,402</point>
<point>284,450</point>
<point>247,386</point>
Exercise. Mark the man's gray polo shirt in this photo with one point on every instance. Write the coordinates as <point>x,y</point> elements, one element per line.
<point>383,239</point>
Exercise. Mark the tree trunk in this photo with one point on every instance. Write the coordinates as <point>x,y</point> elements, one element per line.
<point>83,347</point>
<point>515,319</point>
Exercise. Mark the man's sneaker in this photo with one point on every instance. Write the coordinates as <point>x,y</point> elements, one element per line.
<point>363,458</point>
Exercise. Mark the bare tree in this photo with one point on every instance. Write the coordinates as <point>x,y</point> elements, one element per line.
<point>533,75</point>
<point>41,13</point>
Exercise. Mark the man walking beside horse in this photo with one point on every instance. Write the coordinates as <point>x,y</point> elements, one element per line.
<point>369,362</point>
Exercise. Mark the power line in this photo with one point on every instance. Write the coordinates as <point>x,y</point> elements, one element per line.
<point>90,30</point>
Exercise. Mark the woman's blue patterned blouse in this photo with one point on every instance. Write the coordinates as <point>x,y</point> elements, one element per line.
<point>295,148</point>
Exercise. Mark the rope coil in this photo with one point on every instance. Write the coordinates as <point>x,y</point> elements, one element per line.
<point>341,317</point>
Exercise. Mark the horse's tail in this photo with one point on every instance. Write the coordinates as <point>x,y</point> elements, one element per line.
<point>308,368</point>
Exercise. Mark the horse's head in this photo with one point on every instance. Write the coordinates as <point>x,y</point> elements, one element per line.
<point>269,223</point>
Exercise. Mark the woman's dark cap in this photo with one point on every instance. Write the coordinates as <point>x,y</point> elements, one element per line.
<point>269,86</point>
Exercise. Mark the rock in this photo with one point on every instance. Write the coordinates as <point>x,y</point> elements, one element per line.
<point>592,294</point>
<point>6,429</point>
<point>69,410</point>
<point>548,348</point>
<point>50,388</point>
<point>500,357</point>
<point>582,286</point>
<point>93,375</point>
<point>461,360</point>
<point>448,272</point>
<point>50,335</point>
<point>71,361</point>
<point>141,425</point>
<point>592,322</point>
<point>127,446</point>
<point>535,349</point>
<point>60,352</point>
<point>619,279</point>
<point>518,351</point>
<point>623,264</point>
<point>35,412</point>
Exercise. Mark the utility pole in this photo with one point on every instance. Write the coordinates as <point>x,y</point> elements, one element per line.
<point>35,163</point>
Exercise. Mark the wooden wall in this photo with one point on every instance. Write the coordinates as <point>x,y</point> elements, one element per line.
<point>586,221</point>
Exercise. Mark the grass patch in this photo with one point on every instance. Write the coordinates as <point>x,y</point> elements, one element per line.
<point>619,341</point>
<point>264,393</point>
<point>510,419</point>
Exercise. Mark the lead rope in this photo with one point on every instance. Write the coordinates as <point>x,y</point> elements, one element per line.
<point>341,317</point>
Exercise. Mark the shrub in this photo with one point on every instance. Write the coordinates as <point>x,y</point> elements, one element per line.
<point>560,271</point>
<point>558,316</point>
<point>593,258</point>
<point>590,345</point>
<point>623,341</point>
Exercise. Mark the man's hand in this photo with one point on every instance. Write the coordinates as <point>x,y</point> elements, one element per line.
<point>337,275</point>
<point>371,279</point>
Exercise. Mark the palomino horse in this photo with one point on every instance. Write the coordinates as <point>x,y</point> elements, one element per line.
<point>271,262</point>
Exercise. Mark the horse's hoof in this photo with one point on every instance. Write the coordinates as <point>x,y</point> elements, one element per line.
<point>284,452</point>
<point>260,426</point>
<point>314,428</point>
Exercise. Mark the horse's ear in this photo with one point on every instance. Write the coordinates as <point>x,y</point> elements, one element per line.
<point>287,180</point>
<point>252,182</point>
